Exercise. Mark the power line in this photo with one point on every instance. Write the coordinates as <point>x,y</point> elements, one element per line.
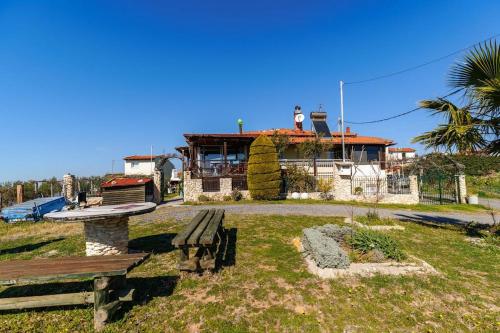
<point>398,115</point>
<point>420,65</point>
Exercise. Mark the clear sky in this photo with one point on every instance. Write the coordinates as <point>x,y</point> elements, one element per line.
<point>83,83</point>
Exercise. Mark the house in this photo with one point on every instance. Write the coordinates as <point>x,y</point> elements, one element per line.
<point>159,167</point>
<point>144,165</point>
<point>220,160</point>
<point>401,154</point>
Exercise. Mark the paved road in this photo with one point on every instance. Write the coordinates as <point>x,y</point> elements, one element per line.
<point>178,211</point>
<point>492,203</point>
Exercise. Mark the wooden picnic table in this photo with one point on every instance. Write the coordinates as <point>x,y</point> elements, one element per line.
<point>108,273</point>
<point>204,234</point>
<point>105,227</point>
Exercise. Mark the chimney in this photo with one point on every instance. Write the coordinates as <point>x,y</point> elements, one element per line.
<point>298,118</point>
<point>347,130</point>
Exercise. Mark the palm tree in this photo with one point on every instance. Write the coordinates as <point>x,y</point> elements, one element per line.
<point>461,132</point>
<point>479,76</point>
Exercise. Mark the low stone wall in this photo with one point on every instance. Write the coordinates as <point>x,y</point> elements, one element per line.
<point>342,191</point>
<point>193,188</point>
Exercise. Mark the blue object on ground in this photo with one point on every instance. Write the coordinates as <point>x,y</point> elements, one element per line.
<point>33,209</point>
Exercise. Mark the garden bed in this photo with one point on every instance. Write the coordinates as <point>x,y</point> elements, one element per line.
<point>331,251</point>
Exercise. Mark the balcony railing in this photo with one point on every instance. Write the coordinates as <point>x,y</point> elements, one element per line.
<point>219,168</point>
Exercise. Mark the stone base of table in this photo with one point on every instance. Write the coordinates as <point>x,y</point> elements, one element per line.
<point>106,237</point>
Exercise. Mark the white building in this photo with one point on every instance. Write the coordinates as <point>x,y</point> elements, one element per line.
<point>400,154</point>
<point>144,165</point>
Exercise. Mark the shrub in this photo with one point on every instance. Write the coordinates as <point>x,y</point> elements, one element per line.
<point>358,190</point>
<point>299,180</point>
<point>203,198</point>
<point>227,198</point>
<point>325,186</point>
<point>325,251</point>
<point>372,215</point>
<point>335,232</point>
<point>264,172</point>
<point>236,195</point>
<point>366,240</point>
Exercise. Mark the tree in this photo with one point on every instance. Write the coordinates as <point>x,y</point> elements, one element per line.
<point>479,76</point>
<point>264,171</point>
<point>281,142</point>
<point>312,149</point>
<point>461,132</point>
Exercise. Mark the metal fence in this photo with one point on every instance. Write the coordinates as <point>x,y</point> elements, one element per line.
<point>391,184</point>
<point>239,183</point>
<point>211,184</point>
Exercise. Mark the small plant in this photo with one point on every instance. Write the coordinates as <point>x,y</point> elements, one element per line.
<point>325,186</point>
<point>203,198</point>
<point>358,190</point>
<point>227,198</point>
<point>236,195</point>
<point>299,180</point>
<point>366,240</point>
<point>372,215</point>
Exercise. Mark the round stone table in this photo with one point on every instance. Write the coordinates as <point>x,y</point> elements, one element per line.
<point>106,227</point>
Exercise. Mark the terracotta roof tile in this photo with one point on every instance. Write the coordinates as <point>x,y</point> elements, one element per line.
<point>118,182</point>
<point>401,150</point>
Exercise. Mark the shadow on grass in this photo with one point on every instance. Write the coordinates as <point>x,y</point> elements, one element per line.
<point>226,256</point>
<point>160,243</point>
<point>28,247</point>
<point>147,288</point>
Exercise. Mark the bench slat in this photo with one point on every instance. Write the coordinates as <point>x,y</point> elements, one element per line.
<point>181,237</point>
<point>195,236</point>
<point>208,236</point>
<point>25,271</point>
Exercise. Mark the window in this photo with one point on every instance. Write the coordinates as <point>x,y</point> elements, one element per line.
<point>134,164</point>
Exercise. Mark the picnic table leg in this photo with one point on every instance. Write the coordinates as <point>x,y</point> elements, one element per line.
<point>103,308</point>
<point>184,254</point>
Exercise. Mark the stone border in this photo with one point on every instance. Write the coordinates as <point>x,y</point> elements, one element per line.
<point>371,269</point>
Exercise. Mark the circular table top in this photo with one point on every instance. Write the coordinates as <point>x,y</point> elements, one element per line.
<point>103,212</point>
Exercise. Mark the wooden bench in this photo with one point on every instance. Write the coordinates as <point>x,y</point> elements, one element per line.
<point>203,233</point>
<point>108,273</point>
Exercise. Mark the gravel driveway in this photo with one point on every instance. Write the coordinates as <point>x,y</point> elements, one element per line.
<point>181,212</point>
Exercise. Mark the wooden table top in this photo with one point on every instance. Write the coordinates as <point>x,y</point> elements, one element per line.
<point>102,212</point>
<point>40,270</point>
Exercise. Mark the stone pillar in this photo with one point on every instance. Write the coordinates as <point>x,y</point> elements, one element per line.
<point>69,186</point>
<point>192,187</point>
<point>106,237</point>
<point>462,189</point>
<point>414,188</point>
<point>157,182</point>
<point>226,186</point>
<point>20,193</point>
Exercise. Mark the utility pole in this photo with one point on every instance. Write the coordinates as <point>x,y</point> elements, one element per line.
<point>342,118</point>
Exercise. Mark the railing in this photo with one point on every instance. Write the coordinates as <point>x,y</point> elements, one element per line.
<point>380,185</point>
<point>218,168</point>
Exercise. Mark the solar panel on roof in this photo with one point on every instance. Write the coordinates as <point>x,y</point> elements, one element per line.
<point>321,127</point>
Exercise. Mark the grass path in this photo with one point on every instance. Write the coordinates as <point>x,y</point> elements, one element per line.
<point>265,286</point>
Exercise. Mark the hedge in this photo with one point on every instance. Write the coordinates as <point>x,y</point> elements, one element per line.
<point>264,172</point>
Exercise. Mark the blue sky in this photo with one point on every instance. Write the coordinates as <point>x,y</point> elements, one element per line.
<point>83,83</point>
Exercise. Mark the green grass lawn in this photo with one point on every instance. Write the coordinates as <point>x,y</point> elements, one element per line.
<point>419,207</point>
<point>268,288</point>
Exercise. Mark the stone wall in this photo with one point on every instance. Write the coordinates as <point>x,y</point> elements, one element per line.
<point>69,186</point>
<point>193,188</point>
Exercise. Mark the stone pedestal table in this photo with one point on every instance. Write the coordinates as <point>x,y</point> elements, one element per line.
<point>105,227</point>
